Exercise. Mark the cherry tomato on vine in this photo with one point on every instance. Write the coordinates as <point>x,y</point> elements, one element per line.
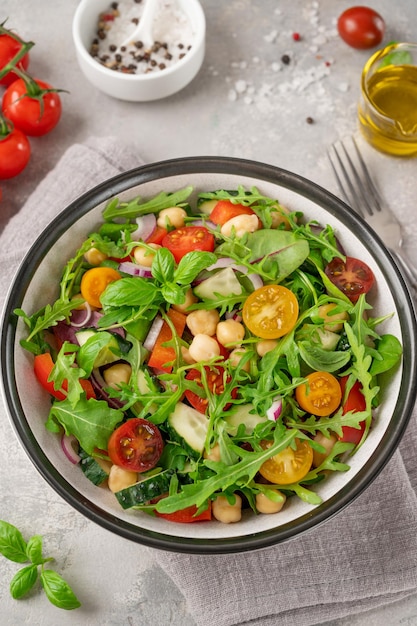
<point>288,466</point>
<point>352,276</point>
<point>9,48</point>
<point>32,105</point>
<point>270,312</point>
<point>14,150</point>
<point>186,239</point>
<point>321,395</point>
<point>136,445</point>
<point>361,27</point>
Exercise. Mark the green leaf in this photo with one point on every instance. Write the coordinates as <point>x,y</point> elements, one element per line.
<point>388,355</point>
<point>132,209</point>
<point>322,360</point>
<point>91,421</point>
<point>282,247</point>
<point>12,544</point>
<point>23,581</point>
<point>98,344</point>
<point>163,266</point>
<point>191,265</point>
<point>58,591</point>
<point>130,291</point>
<point>172,293</point>
<point>34,550</point>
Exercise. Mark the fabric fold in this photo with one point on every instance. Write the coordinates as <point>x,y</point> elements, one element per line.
<point>363,558</point>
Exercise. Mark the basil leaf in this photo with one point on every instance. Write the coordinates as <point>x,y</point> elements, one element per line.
<point>191,265</point>
<point>163,265</point>
<point>12,544</point>
<point>58,591</point>
<point>23,581</point>
<point>173,294</point>
<point>130,291</point>
<point>91,421</point>
<point>34,550</point>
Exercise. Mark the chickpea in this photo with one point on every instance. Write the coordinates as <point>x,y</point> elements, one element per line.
<point>236,356</point>
<point>267,506</point>
<point>230,332</point>
<point>265,345</point>
<point>239,225</point>
<point>93,256</point>
<point>173,216</point>
<point>225,512</point>
<point>143,256</point>
<point>213,454</point>
<point>116,374</point>
<point>120,478</point>
<point>279,216</point>
<point>202,321</point>
<point>332,322</point>
<point>203,348</point>
<point>187,356</point>
<point>327,443</point>
<point>190,299</point>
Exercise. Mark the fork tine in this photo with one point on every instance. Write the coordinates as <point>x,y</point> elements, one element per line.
<point>375,193</point>
<point>348,190</point>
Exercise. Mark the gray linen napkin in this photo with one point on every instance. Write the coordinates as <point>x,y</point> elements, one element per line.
<point>363,558</point>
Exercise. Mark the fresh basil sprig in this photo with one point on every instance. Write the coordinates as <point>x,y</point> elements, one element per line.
<point>14,547</point>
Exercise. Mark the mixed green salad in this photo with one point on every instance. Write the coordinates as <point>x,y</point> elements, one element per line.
<point>212,355</point>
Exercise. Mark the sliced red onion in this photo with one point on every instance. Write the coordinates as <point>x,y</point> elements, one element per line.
<point>69,445</point>
<point>153,333</point>
<point>275,409</point>
<point>233,315</point>
<point>256,280</point>
<point>134,269</point>
<point>99,385</point>
<point>227,262</point>
<point>146,226</point>
<point>81,323</point>
<point>206,223</point>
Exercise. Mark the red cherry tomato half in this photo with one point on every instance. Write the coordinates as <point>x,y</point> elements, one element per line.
<point>354,402</point>
<point>361,27</point>
<point>43,365</point>
<point>183,240</point>
<point>215,383</point>
<point>352,276</point>
<point>136,445</point>
<point>14,151</point>
<point>35,116</point>
<point>9,48</point>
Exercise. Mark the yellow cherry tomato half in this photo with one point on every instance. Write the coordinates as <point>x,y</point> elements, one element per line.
<point>288,466</point>
<point>321,395</point>
<point>95,281</point>
<point>271,311</point>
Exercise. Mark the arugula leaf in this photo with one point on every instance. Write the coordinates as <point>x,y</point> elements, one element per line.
<point>90,421</point>
<point>132,209</point>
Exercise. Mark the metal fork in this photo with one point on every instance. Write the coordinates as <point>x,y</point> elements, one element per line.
<point>362,195</point>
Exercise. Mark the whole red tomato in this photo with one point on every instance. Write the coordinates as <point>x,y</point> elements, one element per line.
<point>14,150</point>
<point>361,27</point>
<point>32,105</point>
<point>10,47</point>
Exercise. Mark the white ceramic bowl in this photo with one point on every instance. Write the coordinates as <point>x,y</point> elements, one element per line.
<point>36,284</point>
<point>137,87</point>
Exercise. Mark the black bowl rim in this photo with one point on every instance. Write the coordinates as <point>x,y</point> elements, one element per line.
<point>219,165</point>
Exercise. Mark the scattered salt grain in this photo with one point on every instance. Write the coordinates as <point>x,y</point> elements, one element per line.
<point>240,86</point>
<point>232,95</point>
<point>271,37</point>
<point>343,87</point>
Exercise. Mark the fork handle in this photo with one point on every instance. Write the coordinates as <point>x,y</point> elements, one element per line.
<point>408,269</point>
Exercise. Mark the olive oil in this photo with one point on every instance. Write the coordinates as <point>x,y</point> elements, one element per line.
<point>388,111</point>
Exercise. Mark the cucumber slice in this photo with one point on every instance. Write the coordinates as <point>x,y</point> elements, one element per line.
<point>224,282</point>
<point>242,415</point>
<point>188,427</point>
<point>145,490</point>
<point>111,352</point>
<point>95,470</point>
<point>206,206</point>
